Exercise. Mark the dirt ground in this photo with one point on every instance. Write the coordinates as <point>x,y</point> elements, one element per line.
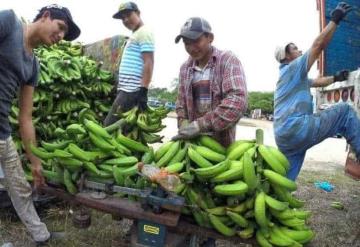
<point>325,162</point>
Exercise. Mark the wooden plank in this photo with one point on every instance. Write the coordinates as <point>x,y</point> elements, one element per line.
<point>116,206</point>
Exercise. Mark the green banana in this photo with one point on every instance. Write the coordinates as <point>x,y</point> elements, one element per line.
<point>280,180</point>
<point>101,143</point>
<point>260,210</point>
<point>96,129</point>
<point>209,154</point>
<point>211,143</point>
<point>262,240</point>
<point>175,167</point>
<point>235,189</point>
<point>50,147</point>
<point>180,155</point>
<point>164,160</point>
<point>249,174</point>
<point>280,157</point>
<point>162,150</point>
<point>236,150</point>
<point>229,175</point>
<point>131,144</point>
<point>198,159</point>
<point>274,164</point>
<point>209,172</point>
<point>124,161</point>
<point>221,227</point>
<point>40,153</point>
<point>219,211</point>
<point>238,219</point>
<point>275,204</point>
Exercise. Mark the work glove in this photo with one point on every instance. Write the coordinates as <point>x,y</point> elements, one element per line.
<point>340,12</point>
<point>142,99</point>
<point>188,132</point>
<point>341,75</point>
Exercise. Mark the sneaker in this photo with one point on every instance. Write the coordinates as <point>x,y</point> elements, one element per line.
<point>53,236</point>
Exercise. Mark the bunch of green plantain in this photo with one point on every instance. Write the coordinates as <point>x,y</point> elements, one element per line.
<point>69,83</point>
<point>241,190</point>
<point>143,125</point>
<point>88,149</point>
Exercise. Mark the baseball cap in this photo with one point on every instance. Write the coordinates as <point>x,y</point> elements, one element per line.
<point>128,6</point>
<point>193,28</point>
<point>280,51</point>
<point>63,13</point>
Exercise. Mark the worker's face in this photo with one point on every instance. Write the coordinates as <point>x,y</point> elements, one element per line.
<point>52,30</point>
<point>200,48</point>
<point>293,52</point>
<point>131,19</point>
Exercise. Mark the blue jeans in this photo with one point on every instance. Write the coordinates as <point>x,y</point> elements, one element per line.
<point>339,119</point>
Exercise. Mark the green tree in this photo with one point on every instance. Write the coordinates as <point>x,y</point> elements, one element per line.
<point>262,100</point>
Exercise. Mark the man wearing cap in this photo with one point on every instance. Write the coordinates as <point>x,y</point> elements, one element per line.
<point>19,72</point>
<point>296,127</point>
<point>212,88</point>
<point>136,65</point>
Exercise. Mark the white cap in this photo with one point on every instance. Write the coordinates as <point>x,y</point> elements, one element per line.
<point>280,52</point>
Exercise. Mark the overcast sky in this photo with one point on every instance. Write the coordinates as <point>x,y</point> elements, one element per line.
<point>250,28</point>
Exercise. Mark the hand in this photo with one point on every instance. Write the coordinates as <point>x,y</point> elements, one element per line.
<point>142,99</point>
<point>341,75</point>
<point>39,180</point>
<point>187,132</point>
<point>340,12</point>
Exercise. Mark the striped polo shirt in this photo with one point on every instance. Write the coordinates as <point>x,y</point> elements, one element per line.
<point>132,64</point>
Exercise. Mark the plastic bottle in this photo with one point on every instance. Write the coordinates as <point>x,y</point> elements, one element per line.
<point>160,176</point>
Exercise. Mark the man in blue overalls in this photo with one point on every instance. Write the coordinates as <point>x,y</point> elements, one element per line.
<point>296,127</point>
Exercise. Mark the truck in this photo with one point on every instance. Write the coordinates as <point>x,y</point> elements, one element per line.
<point>343,52</point>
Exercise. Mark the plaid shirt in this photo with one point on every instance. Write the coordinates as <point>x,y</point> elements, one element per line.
<point>227,91</point>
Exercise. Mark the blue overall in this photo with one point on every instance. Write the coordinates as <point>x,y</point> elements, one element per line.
<point>296,127</point>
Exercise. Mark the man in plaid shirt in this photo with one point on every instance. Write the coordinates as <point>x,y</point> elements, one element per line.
<point>212,92</point>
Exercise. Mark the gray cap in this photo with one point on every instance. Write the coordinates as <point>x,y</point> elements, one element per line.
<point>193,29</point>
<point>128,6</point>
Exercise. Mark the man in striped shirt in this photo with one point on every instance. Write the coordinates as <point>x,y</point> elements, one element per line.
<point>212,92</point>
<point>296,127</point>
<point>136,65</point>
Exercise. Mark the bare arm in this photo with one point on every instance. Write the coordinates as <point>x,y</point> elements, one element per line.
<point>320,43</point>
<point>323,81</point>
<point>148,58</point>
<point>27,131</point>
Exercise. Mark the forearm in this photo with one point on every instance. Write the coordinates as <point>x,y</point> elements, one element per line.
<point>225,115</point>
<point>147,74</point>
<point>147,71</point>
<point>323,81</point>
<point>27,133</point>
<point>320,43</point>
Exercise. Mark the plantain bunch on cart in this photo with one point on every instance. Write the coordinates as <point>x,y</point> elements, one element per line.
<point>87,148</point>
<point>143,126</point>
<point>68,83</point>
<point>241,190</point>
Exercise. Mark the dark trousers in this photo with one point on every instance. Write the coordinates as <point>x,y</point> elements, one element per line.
<point>124,102</point>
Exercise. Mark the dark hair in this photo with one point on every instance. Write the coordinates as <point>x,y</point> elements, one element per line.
<point>287,48</point>
<point>53,15</point>
<point>287,51</point>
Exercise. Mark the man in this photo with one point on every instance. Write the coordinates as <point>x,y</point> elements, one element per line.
<point>296,127</point>
<point>212,89</point>
<point>19,70</point>
<point>136,66</point>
